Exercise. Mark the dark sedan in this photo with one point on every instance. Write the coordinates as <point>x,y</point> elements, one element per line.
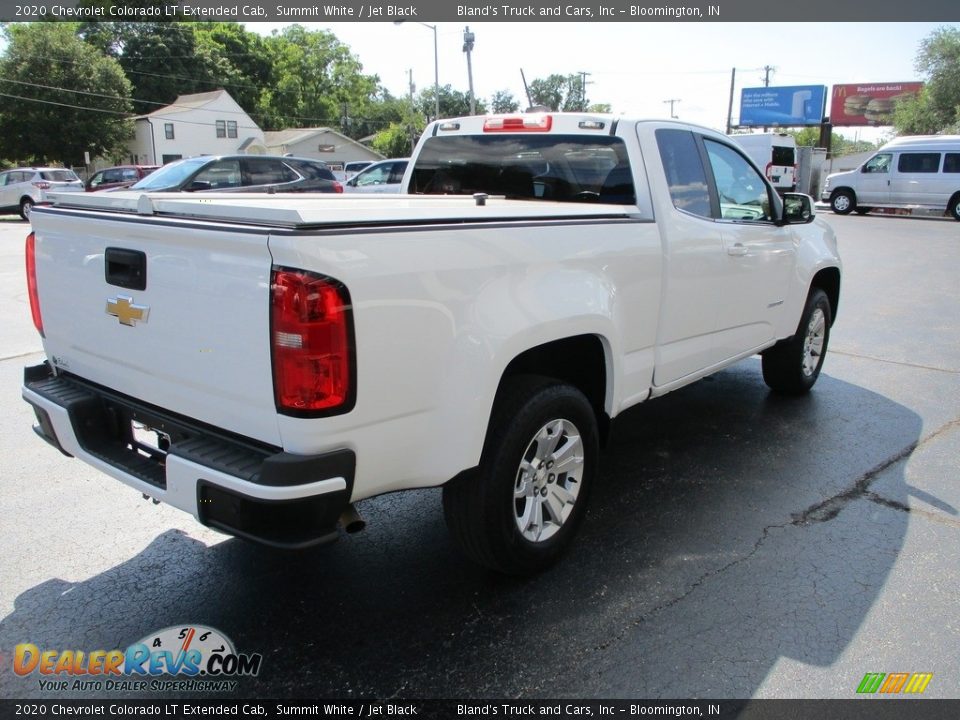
<point>242,173</point>
<point>118,177</point>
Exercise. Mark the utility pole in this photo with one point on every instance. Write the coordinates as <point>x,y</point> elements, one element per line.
<point>766,81</point>
<point>671,103</point>
<point>411,89</point>
<point>733,82</point>
<point>583,89</point>
<point>468,38</point>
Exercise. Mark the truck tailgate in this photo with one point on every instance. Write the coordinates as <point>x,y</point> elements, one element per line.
<point>192,337</point>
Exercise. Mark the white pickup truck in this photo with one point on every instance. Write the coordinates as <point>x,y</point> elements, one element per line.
<point>263,362</point>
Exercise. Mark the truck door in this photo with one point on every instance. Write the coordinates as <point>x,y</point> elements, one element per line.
<point>873,181</point>
<point>694,261</point>
<point>759,256</point>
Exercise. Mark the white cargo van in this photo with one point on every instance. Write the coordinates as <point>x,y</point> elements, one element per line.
<point>775,154</point>
<point>917,172</point>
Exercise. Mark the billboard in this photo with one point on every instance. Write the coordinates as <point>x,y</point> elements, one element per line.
<point>785,106</point>
<point>868,104</point>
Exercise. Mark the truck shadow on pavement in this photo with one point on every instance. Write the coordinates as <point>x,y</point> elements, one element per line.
<point>730,528</point>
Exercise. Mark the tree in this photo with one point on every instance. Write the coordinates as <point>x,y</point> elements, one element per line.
<point>453,103</point>
<point>560,92</point>
<point>937,107</point>
<point>68,97</point>
<point>397,140</point>
<point>316,78</point>
<point>159,58</point>
<point>503,102</point>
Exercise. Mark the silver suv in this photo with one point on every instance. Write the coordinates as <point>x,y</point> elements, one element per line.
<point>22,188</point>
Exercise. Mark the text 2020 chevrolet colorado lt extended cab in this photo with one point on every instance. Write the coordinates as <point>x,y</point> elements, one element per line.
<point>264,362</point>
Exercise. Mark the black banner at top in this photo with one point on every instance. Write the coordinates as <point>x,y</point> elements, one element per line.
<point>476,11</point>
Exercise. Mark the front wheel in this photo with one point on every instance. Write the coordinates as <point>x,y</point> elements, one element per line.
<point>954,208</point>
<point>521,508</point>
<point>842,202</point>
<point>792,366</point>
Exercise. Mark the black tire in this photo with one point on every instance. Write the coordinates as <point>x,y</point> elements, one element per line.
<point>862,210</point>
<point>26,206</point>
<point>792,366</point>
<point>843,202</point>
<point>954,208</point>
<point>482,510</point>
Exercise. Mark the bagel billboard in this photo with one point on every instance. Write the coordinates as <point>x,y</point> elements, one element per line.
<point>868,104</point>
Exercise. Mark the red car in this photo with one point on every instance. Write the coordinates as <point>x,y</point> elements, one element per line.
<point>118,177</point>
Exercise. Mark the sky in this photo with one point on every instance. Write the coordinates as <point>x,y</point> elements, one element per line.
<point>637,67</point>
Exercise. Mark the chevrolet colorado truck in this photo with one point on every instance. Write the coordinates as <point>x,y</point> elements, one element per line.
<point>264,362</point>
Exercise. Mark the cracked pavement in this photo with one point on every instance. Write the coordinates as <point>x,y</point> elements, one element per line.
<point>738,545</point>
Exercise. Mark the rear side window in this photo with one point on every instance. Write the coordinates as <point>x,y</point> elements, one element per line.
<point>263,171</point>
<point>59,175</point>
<point>919,162</point>
<point>563,168</point>
<point>312,171</point>
<point>684,169</point>
<point>951,163</point>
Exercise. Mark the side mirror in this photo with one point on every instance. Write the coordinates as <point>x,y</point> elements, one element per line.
<point>197,185</point>
<point>797,208</point>
<point>352,182</point>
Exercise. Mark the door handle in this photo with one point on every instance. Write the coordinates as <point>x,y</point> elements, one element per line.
<point>737,250</point>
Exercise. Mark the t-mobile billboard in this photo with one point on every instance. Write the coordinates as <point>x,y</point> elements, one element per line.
<point>785,106</point>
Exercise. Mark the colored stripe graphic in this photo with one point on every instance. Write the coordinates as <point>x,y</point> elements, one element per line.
<point>918,682</point>
<point>871,682</point>
<point>914,683</point>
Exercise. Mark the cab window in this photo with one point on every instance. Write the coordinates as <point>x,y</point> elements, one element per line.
<point>742,192</point>
<point>685,174</point>
<point>878,163</point>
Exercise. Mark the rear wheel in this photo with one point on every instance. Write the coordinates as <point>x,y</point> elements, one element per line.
<point>842,202</point>
<point>26,207</point>
<point>792,367</point>
<point>521,508</point>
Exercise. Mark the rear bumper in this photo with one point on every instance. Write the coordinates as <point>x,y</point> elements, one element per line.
<point>227,482</point>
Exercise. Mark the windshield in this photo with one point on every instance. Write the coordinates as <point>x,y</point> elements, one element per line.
<point>171,175</point>
<point>571,168</point>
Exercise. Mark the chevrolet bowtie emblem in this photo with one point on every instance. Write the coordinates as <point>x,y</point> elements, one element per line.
<point>125,310</point>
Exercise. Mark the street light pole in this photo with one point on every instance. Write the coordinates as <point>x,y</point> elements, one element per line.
<point>436,67</point>
<point>468,38</point>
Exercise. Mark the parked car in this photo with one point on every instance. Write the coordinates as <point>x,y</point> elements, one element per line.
<point>22,188</point>
<point>385,176</point>
<point>118,177</point>
<point>352,168</point>
<point>241,173</point>
<point>914,173</point>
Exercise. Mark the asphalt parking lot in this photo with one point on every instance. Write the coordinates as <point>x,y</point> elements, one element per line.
<point>738,545</point>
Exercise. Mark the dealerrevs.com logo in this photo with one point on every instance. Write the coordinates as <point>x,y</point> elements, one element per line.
<point>198,658</point>
<point>894,683</point>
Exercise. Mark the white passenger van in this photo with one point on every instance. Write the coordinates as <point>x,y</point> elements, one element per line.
<point>916,172</point>
<point>775,154</point>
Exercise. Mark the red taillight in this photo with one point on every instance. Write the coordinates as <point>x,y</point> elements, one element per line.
<point>519,123</point>
<point>313,365</point>
<point>337,186</point>
<point>31,254</point>
<point>41,184</point>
